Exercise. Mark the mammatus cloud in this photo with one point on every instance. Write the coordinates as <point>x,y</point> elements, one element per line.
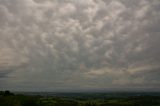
<point>79,44</point>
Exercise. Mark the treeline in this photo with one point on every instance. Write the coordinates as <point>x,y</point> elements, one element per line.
<point>9,99</point>
<point>6,93</point>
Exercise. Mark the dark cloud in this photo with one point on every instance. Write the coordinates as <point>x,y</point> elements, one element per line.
<point>78,44</point>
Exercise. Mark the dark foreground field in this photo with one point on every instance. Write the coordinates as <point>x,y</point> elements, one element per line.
<point>79,99</point>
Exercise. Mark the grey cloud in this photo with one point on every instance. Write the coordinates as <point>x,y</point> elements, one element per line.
<point>74,44</point>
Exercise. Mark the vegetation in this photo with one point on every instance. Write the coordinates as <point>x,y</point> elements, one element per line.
<point>9,99</point>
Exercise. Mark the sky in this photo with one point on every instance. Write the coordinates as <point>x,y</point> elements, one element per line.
<point>78,45</point>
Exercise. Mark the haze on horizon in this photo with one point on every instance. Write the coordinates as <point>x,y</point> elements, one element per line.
<point>65,45</point>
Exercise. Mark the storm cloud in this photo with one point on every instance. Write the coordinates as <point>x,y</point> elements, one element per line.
<point>56,45</point>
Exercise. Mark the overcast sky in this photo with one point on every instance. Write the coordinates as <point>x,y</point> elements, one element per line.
<point>65,45</point>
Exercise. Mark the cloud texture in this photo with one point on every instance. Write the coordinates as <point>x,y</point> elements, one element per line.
<point>79,44</point>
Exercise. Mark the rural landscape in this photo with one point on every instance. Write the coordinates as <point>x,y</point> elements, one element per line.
<point>79,52</point>
<point>79,99</point>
